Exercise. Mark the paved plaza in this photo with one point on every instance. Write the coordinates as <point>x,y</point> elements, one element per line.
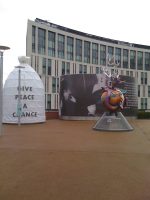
<point>68,160</point>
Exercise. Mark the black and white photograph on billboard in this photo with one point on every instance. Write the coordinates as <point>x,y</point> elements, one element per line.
<point>80,94</point>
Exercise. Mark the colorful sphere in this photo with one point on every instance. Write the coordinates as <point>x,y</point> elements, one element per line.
<point>112,99</point>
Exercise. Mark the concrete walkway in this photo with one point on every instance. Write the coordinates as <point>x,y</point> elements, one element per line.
<point>67,160</point>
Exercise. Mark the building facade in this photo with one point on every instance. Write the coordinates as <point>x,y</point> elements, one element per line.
<point>56,50</point>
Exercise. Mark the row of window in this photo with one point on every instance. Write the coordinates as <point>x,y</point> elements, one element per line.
<point>84,51</point>
<point>65,69</point>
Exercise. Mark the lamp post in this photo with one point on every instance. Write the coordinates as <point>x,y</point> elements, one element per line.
<point>19,105</point>
<point>2,49</point>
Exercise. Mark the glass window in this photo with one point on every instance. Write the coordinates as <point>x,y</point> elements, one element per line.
<point>44,66</point>
<point>127,73</point>
<point>94,53</point>
<point>61,46</point>
<point>138,90</point>
<point>33,38</point>
<point>102,54</point>
<point>131,73</point>
<point>140,60</point>
<point>145,78</point>
<point>142,77</point>
<point>110,52</point>
<point>67,68</point>
<point>148,91</point>
<point>51,43</point>
<point>63,67</point>
<point>48,101</point>
<point>53,84</point>
<point>78,50</point>
<point>118,56</point>
<point>69,48</point>
<point>82,69</point>
<point>49,67</point>
<point>97,70</point>
<point>86,52</point>
<point>41,40</point>
<point>132,59</point>
<point>125,58</point>
<point>57,84</point>
<point>147,61</point>
<point>85,69</point>
<point>143,103</point>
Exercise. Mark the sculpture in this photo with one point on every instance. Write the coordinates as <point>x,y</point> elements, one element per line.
<point>114,100</point>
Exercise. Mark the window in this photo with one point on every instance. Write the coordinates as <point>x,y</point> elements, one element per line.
<point>82,69</point>
<point>78,50</point>
<point>49,67</point>
<point>69,48</point>
<point>125,58</point>
<point>145,78</point>
<point>57,84</point>
<point>51,43</point>
<point>41,40</point>
<point>127,73</point>
<point>61,46</point>
<point>94,53</point>
<point>85,69</point>
<point>140,60</point>
<point>97,70</point>
<point>48,102</point>
<point>138,90</point>
<point>131,73</point>
<point>102,54</point>
<point>44,66</point>
<point>132,59</point>
<point>118,56</point>
<point>142,77</point>
<point>63,68</point>
<point>143,103</point>
<point>33,38</point>
<point>53,84</point>
<point>147,61</point>
<point>67,68</point>
<point>86,52</point>
<point>110,52</point>
<point>148,91</point>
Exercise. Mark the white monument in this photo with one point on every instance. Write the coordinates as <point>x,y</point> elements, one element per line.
<point>23,95</point>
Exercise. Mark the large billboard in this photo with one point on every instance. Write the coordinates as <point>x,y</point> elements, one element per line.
<point>80,94</point>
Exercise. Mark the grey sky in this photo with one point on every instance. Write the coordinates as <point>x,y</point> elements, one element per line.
<point>126,20</point>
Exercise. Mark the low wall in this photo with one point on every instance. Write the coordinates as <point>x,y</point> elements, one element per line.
<point>52,115</point>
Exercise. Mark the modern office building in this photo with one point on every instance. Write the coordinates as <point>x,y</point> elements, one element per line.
<point>56,50</point>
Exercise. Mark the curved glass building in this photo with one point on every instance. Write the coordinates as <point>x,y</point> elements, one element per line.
<point>56,50</point>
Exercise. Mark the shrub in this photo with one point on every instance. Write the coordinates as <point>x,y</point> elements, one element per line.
<point>143,115</point>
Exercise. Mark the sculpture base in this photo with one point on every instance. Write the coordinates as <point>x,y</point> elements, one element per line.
<point>112,122</point>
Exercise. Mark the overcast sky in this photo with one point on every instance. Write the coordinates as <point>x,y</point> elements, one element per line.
<point>125,20</point>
